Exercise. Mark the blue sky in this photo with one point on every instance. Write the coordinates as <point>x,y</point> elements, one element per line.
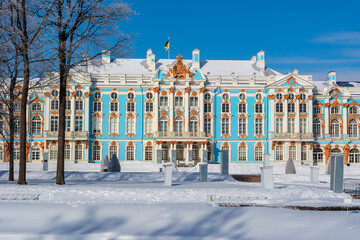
<point>312,36</point>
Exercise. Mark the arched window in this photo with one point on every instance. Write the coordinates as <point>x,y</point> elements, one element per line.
<point>36,125</point>
<point>353,110</point>
<point>292,153</point>
<point>130,125</point>
<point>195,153</point>
<point>78,152</point>
<point>163,124</point>
<point>317,128</point>
<point>258,126</point>
<point>258,153</point>
<point>335,150</point>
<point>114,106</point>
<point>225,108</point>
<point>148,153</point>
<point>96,125</point>
<point>242,154</point>
<point>303,153</point>
<point>335,128</point>
<point>114,125</point>
<point>96,156</point>
<point>291,125</point>
<point>67,152</point>
<point>278,125</point>
<point>318,155</point>
<point>225,126</point>
<point>279,153</point>
<point>193,125</point>
<point>148,125</point>
<point>279,108</point>
<point>209,154</point>
<point>54,105</point>
<point>242,108</point>
<point>335,110</point>
<point>53,152</point>
<point>242,126</point>
<point>179,153</point>
<point>353,128</point>
<point>207,125</point>
<point>130,153</point>
<point>178,125</point>
<point>35,153</point>
<point>165,153</point>
<point>113,150</point>
<point>354,155</point>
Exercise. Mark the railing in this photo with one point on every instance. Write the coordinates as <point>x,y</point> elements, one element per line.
<point>179,134</point>
<point>68,134</point>
<point>293,135</point>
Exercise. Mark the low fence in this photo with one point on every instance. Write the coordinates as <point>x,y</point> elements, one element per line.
<point>352,187</point>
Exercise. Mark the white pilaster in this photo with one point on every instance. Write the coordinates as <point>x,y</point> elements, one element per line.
<point>326,117</point>
<point>47,115</point>
<point>298,151</point>
<point>345,117</point>
<point>286,151</point>
<point>201,110</point>
<point>271,114</point>
<point>171,109</point>
<point>87,112</point>
<point>156,113</point>
<point>285,128</point>
<point>187,109</point>
<point>310,118</point>
<point>72,119</point>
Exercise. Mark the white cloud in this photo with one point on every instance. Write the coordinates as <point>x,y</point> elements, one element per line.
<point>305,60</point>
<point>339,38</point>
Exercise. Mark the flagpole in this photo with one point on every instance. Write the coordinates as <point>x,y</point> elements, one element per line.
<point>169,48</point>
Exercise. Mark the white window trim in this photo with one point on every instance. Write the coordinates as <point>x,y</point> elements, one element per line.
<point>134,151</point>
<point>246,152</point>
<point>118,150</point>
<point>117,124</point>
<point>92,151</point>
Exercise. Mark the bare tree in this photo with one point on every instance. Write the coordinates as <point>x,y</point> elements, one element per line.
<point>80,29</point>
<point>20,22</point>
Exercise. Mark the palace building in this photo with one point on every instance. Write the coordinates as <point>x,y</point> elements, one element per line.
<point>192,110</point>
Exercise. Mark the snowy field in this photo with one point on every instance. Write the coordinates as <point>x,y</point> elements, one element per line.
<point>134,204</point>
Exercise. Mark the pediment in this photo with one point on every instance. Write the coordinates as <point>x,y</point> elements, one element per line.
<point>74,79</point>
<point>291,81</point>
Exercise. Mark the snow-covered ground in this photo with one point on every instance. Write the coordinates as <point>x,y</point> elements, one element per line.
<point>134,204</point>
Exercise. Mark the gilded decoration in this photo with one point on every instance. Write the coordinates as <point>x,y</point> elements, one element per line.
<point>291,81</point>
<point>179,71</point>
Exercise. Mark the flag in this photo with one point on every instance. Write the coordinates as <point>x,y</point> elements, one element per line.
<point>167,45</point>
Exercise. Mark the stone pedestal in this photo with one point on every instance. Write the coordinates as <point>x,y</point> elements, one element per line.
<point>314,174</point>
<point>203,172</point>
<point>205,158</point>
<point>224,165</point>
<point>266,159</point>
<point>267,181</point>
<point>168,168</point>
<point>45,161</point>
<point>159,156</point>
<point>337,173</point>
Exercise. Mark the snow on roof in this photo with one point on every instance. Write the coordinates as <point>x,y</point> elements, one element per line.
<point>212,67</point>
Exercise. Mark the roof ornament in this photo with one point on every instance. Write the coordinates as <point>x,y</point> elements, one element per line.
<point>179,71</point>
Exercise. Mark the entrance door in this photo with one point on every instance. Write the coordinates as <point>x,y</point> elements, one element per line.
<point>180,161</point>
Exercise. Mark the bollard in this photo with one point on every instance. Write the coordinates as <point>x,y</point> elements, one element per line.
<point>45,161</point>
<point>314,174</point>
<point>224,165</point>
<point>159,156</point>
<point>331,172</point>
<point>173,156</point>
<point>267,177</point>
<point>203,172</point>
<point>266,160</point>
<point>168,167</point>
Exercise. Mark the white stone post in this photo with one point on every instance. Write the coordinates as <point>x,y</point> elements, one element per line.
<point>314,174</point>
<point>267,181</point>
<point>168,174</point>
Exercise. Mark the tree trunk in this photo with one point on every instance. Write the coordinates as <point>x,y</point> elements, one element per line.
<point>24,96</point>
<point>11,135</point>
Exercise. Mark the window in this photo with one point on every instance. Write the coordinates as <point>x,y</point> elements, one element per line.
<point>317,128</point>
<point>279,153</point>
<point>79,93</point>
<point>78,123</point>
<point>302,96</point>
<point>291,107</point>
<point>97,106</point>
<point>318,155</point>
<point>258,126</point>
<point>97,95</point>
<point>114,106</point>
<point>279,96</point>
<point>335,110</point>
<point>209,154</point>
<point>54,105</point>
<point>53,152</point>
<point>302,107</point>
<point>130,107</point>
<point>225,126</point>
<point>148,125</point>
<point>54,93</point>
<point>113,150</point>
<point>96,156</point>
<point>258,97</point>
<point>163,101</point>
<point>17,107</point>
<point>353,128</point>
<point>67,152</point>
<point>130,153</point>
<point>130,96</point>
<point>292,153</point>
<point>335,150</point>
<point>278,125</point>
<point>178,124</point>
<point>130,125</point>
<point>96,125</point>
<point>35,154</point>
<point>353,110</point>
<point>68,105</point>
<point>114,125</point>
<point>163,124</point>
<point>291,96</point>
<point>113,95</point>
<point>207,96</point>
<point>78,152</point>
<point>148,153</point>
<point>35,107</point>
<point>17,126</point>
<point>207,125</point>
<point>317,110</point>
<point>194,101</point>
<point>54,122</point>
<point>149,95</point>
<point>165,153</point>
<point>354,156</point>
<point>279,107</point>
<point>258,154</point>
<point>2,107</point>
<point>242,154</point>
<point>335,128</point>
<point>302,125</point>
<point>225,97</point>
<point>67,123</point>
<point>207,107</point>
<point>291,125</point>
<point>223,149</point>
<point>149,107</point>
<point>67,93</point>
<point>258,108</point>
<point>303,153</point>
<point>242,96</point>
<point>16,154</point>
<point>242,126</point>
<point>242,108</point>
<point>36,128</point>
<point>193,125</point>
<point>225,108</point>
<point>178,101</point>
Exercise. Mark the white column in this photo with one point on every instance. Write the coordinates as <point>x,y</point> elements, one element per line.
<point>47,110</point>
<point>310,156</point>
<point>326,117</point>
<point>72,119</point>
<point>86,152</point>
<point>285,119</point>
<point>156,112</point>
<point>298,151</point>
<point>202,109</point>
<point>87,112</point>
<point>286,151</point>
<point>72,149</point>
<point>310,118</point>
<point>271,114</point>
<point>171,109</point>
<point>297,117</point>
<point>187,109</point>
<point>345,117</point>
<point>201,152</point>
